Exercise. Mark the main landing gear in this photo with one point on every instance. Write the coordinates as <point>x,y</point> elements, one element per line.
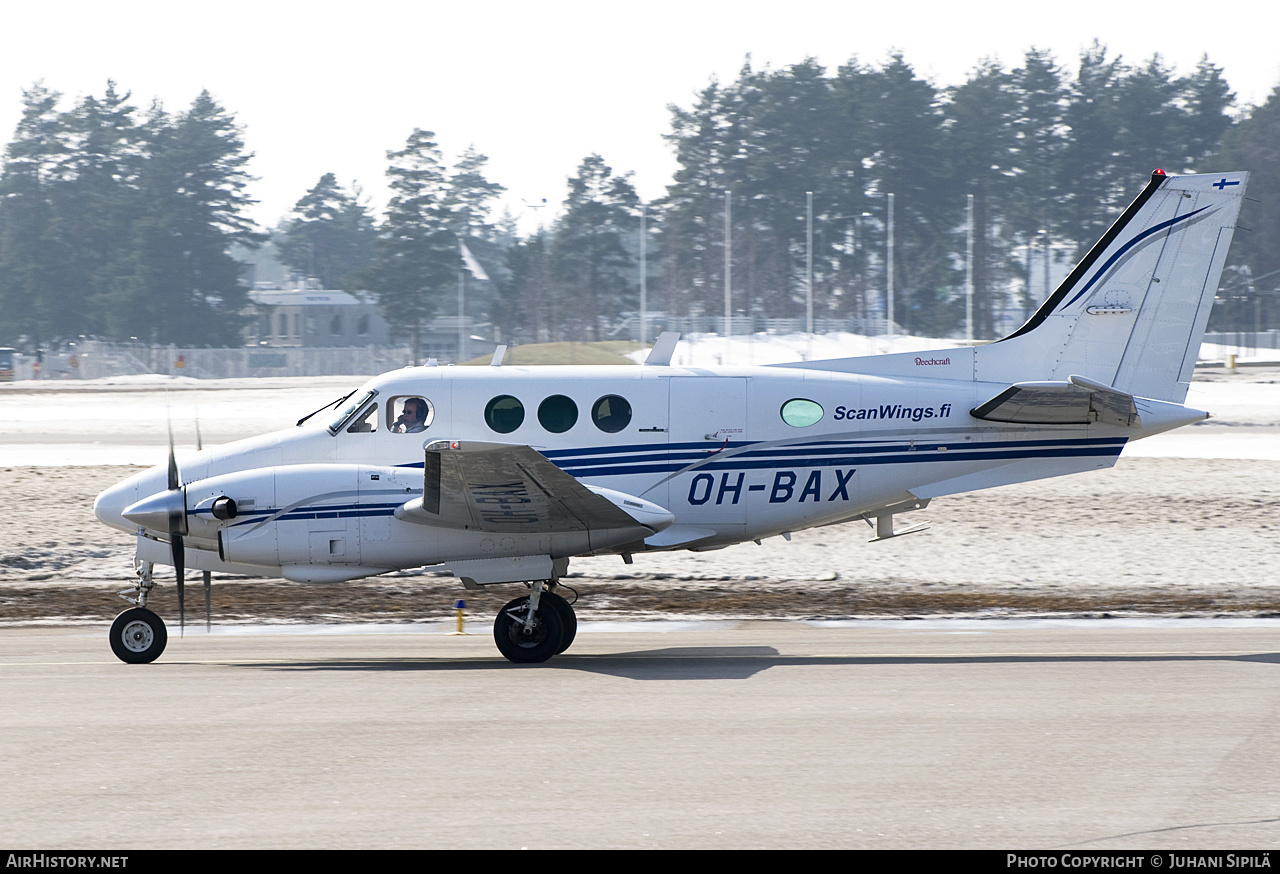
<point>535,627</point>
<point>138,635</point>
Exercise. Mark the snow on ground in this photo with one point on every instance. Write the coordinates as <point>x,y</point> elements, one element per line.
<point>1245,355</point>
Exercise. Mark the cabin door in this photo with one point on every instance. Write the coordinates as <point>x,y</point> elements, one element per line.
<point>708,417</point>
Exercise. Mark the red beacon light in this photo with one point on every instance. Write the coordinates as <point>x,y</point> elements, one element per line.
<point>1158,172</point>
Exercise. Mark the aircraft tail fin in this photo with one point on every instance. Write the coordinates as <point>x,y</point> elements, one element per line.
<point>1132,313</point>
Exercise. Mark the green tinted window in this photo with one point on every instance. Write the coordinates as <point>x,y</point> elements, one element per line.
<point>801,413</point>
<point>557,414</point>
<point>504,414</point>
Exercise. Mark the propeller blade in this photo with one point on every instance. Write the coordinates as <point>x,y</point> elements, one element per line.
<point>174,482</point>
<point>177,528</point>
<point>178,552</point>
<point>208,610</point>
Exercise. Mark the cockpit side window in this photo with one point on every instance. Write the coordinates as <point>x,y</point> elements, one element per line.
<point>356,404</point>
<point>365,421</point>
<point>409,414</point>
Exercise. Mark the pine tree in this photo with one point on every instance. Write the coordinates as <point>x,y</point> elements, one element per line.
<point>330,236</point>
<point>98,199</point>
<point>1032,214</point>
<point>1206,101</point>
<point>591,263</point>
<point>1152,129</point>
<point>910,163</point>
<point>469,198</point>
<point>691,214</point>
<point>179,283</point>
<point>32,247</point>
<point>983,141</point>
<point>468,204</point>
<point>844,188</point>
<point>1250,299</point>
<point>417,257</point>
<point>520,311</point>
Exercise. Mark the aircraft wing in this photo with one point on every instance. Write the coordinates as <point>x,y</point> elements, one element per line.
<point>1078,401</point>
<point>508,489</point>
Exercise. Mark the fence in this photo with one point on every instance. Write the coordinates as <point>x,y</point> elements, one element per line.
<point>1246,340</point>
<point>745,324</point>
<point>93,359</point>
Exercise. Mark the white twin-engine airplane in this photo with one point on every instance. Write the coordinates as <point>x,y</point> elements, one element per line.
<point>503,474</point>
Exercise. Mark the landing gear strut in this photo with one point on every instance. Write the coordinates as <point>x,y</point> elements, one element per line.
<point>138,635</point>
<point>535,627</point>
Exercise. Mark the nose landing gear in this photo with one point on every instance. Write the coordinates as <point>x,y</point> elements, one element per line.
<point>138,636</point>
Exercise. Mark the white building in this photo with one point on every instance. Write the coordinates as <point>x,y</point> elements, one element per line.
<point>303,314</point>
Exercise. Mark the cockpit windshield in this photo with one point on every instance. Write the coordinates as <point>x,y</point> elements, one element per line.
<point>356,403</point>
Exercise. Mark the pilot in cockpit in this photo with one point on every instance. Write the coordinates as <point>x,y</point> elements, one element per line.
<point>413,418</point>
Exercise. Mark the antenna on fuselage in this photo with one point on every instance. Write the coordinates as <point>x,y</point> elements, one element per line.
<point>663,349</point>
<point>498,355</point>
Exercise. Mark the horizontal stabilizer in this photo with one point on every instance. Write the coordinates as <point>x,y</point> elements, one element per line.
<point>1078,401</point>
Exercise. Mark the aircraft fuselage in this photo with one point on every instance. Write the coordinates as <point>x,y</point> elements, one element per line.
<point>711,447</point>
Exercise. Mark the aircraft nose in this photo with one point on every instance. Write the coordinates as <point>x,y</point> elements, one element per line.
<point>109,506</point>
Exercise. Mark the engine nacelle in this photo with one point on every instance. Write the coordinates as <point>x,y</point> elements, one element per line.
<point>276,516</point>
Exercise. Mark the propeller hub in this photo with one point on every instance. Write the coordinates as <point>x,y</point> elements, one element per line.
<point>164,511</point>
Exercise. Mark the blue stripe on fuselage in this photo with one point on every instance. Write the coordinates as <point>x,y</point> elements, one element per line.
<point>656,459</point>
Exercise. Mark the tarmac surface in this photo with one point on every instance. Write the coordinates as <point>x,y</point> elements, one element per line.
<point>1070,735</point>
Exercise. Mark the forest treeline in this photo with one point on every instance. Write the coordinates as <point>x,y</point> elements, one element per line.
<point>120,222</point>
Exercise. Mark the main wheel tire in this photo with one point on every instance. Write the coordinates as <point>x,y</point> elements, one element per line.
<point>138,636</point>
<point>537,644</point>
<point>568,618</point>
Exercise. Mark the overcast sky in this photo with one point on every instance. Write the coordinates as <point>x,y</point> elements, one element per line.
<point>537,86</point>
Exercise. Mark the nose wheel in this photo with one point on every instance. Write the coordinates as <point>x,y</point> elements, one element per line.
<point>138,636</point>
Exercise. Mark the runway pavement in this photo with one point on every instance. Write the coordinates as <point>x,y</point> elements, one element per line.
<point>981,734</point>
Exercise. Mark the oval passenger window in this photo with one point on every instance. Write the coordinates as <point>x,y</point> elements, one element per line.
<point>801,413</point>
